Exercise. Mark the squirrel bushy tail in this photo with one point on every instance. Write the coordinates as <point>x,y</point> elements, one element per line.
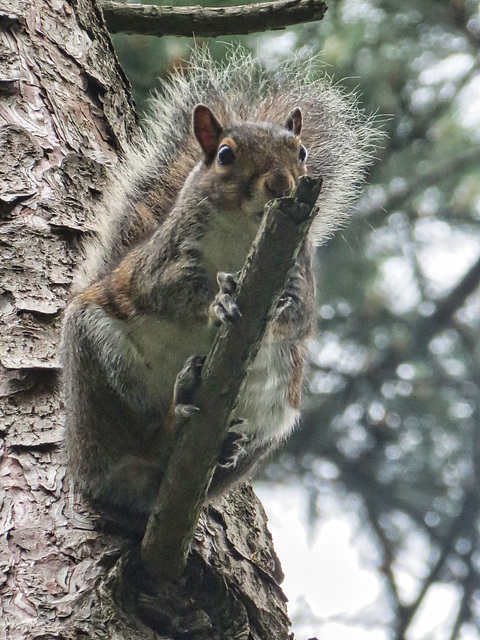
<point>338,136</point>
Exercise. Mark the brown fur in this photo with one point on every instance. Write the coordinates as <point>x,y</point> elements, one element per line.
<point>295,383</point>
<point>115,293</point>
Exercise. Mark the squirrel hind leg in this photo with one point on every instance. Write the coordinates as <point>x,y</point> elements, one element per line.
<point>130,485</point>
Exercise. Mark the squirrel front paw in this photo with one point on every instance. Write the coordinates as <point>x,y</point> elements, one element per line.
<point>224,309</point>
<point>186,383</point>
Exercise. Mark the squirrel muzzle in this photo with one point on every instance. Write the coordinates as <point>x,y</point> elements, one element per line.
<point>279,183</point>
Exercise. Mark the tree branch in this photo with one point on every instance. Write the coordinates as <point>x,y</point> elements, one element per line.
<point>443,171</point>
<point>153,20</point>
<point>464,522</point>
<point>182,493</point>
<point>387,551</point>
<point>424,329</point>
<point>448,306</point>
<point>469,583</point>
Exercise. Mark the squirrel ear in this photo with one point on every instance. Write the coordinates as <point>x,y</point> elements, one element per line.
<point>207,130</point>
<point>294,122</point>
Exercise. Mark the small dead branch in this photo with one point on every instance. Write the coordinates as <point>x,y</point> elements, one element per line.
<point>173,520</point>
<point>198,21</point>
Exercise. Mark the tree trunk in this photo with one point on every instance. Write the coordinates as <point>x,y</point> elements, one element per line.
<point>65,114</point>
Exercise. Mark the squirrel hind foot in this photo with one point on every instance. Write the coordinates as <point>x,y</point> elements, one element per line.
<point>233,448</point>
<point>187,382</point>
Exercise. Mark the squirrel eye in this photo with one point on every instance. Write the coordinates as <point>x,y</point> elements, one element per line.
<point>302,154</point>
<point>225,155</point>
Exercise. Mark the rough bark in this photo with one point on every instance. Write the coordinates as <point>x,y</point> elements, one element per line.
<point>65,113</point>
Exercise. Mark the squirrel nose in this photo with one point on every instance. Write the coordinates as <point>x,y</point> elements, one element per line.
<point>279,184</point>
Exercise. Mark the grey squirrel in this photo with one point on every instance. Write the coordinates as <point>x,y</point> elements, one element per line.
<point>184,205</point>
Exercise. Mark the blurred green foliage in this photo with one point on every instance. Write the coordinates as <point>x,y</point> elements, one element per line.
<point>394,402</point>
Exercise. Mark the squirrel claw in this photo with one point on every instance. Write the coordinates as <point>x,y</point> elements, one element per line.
<point>224,309</point>
<point>186,410</point>
<point>233,448</point>
<point>234,422</point>
<point>284,303</point>
<point>187,382</point>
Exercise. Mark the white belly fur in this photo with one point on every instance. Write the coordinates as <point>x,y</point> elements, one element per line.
<point>263,400</point>
<point>165,346</point>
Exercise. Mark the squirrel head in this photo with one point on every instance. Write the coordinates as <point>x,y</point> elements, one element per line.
<point>247,164</point>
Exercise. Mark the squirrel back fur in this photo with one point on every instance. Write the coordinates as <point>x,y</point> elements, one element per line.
<point>338,136</point>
